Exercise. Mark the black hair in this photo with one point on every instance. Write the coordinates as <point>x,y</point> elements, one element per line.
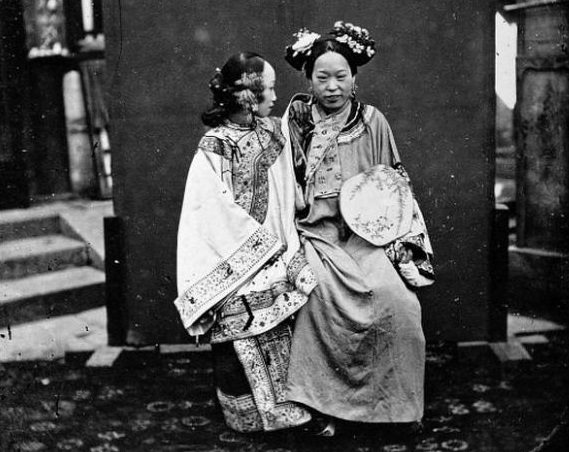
<point>320,47</point>
<point>352,42</point>
<point>223,86</point>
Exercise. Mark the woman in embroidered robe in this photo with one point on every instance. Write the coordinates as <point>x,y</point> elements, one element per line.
<point>358,348</point>
<point>241,272</point>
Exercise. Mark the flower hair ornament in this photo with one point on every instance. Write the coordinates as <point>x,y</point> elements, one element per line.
<point>248,89</point>
<point>298,52</point>
<point>244,92</point>
<point>360,46</point>
<point>357,39</point>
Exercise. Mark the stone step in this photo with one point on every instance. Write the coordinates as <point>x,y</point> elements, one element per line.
<point>26,257</point>
<point>17,224</point>
<point>51,294</point>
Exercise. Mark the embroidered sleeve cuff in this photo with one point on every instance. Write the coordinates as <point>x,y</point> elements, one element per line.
<point>306,281</point>
<point>301,274</point>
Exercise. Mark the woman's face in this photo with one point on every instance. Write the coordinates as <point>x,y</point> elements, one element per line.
<point>269,95</point>
<point>332,81</point>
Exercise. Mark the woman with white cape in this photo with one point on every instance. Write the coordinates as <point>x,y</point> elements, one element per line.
<point>241,271</point>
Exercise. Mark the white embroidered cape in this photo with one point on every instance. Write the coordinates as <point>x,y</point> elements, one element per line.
<point>235,240</point>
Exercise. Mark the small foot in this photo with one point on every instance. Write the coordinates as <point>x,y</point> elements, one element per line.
<point>329,430</point>
<point>320,426</point>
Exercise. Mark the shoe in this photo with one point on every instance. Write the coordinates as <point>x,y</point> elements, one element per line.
<point>320,426</point>
<point>329,430</point>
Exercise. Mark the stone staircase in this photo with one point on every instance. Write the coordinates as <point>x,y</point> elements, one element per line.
<point>45,270</point>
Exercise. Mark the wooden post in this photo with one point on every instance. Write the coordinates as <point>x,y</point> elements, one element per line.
<point>117,321</point>
<point>498,309</point>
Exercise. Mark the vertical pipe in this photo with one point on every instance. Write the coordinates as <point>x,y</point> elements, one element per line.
<point>88,15</point>
<point>81,171</point>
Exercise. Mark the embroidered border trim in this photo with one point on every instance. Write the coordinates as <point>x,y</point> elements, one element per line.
<point>269,309</point>
<point>300,273</point>
<point>356,112</point>
<point>209,290</point>
<point>355,126</point>
<point>240,412</point>
<point>214,144</point>
<point>265,359</point>
<point>260,169</point>
<point>295,265</point>
<point>306,280</point>
<point>424,265</point>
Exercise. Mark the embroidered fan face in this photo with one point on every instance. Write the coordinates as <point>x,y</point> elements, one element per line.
<point>269,95</point>
<point>332,81</point>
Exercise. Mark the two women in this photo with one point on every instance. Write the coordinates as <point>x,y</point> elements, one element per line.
<point>357,350</point>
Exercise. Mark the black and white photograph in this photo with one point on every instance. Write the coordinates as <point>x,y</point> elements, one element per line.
<point>284,225</point>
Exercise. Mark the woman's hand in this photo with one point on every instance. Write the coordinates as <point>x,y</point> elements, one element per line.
<point>301,113</point>
<point>410,273</point>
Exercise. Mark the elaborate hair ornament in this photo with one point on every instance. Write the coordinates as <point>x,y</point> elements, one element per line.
<point>304,41</point>
<point>245,89</point>
<point>356,39</point>
<point>297,54</point>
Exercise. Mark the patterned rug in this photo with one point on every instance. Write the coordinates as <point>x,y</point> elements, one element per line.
<point>149,402</point>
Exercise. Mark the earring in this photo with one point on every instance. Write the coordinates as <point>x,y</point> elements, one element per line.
<point>354,90</point>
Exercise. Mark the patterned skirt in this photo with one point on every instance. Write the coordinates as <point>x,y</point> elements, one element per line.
<point>251,373</point>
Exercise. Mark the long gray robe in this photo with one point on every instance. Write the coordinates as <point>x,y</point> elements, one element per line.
<point>358,349</point>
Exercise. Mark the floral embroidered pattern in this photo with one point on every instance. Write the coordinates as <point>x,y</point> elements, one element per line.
<point>252,151</point>
<point>373,228</point>
<point>260,173</point>
<point>296,264</point>
<point>211,143</point>
<point>204,294</point>
<point>301,274</point>
<point>265,359</point>
<point>384,179</point>
<point>240,412</point>
<point>255,313</point>
<point>418,240</point>
<point>378,205</point>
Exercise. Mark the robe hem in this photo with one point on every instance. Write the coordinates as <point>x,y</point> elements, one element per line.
<point>379,420</point>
